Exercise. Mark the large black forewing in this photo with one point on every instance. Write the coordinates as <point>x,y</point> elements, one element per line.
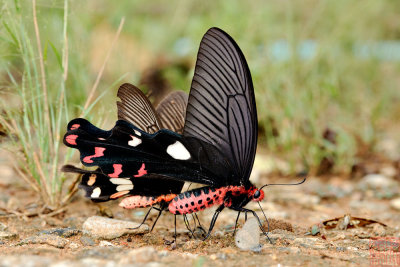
<point>171,111</point>
<point>221,108</point>
<point>136,109</point>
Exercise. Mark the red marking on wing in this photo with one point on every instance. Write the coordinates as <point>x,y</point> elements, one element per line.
<point>141,171</point>
<point>75,126</point>
<point>117,170</point>
<point>142,201</point>
<point>71,139</point>
<point>98,152</point>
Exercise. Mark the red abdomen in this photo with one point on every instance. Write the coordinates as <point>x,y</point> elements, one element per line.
<point>133,202</point>
<point>197,199</point>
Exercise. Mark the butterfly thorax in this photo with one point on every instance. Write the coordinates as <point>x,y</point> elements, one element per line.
<point>205,197</point>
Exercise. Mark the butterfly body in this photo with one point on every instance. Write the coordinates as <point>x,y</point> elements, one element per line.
<point>205,197</point>
<point>133,202</point>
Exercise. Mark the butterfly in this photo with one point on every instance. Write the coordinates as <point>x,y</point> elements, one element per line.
<point>216,148</point>
<point>136,109</point>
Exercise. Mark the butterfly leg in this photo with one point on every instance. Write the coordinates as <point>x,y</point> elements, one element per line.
<point>144,219</point>
<point>175,228</point>
<point>200,227</point>
<point>160,210</point>
<point>236,223</point>
<point>185,219</point>
<point>194,220</point>
<point>214,219</point>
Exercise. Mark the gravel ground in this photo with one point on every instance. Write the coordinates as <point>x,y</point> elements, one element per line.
<point>333,221</point>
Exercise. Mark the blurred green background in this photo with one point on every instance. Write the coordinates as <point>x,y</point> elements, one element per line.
<point>326,73</point>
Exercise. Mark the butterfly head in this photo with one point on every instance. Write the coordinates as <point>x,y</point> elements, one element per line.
<point>257,194</point>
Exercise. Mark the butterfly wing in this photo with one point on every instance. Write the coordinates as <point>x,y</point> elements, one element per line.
<point>171,111</point>
<point>221,108</point>
<point>130,152</point>
<point>99,187</point>
<point>136,109</point>
<point>220,133</point>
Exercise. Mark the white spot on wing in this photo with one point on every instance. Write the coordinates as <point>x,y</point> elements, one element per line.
<point>124,187</point>
<point>96,192</point>
<point>137,133</point>
<point>135,141</point>
<point>178,151</point>
<point>120,181</point>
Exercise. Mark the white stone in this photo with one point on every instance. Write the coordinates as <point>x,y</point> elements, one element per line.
<point>106,228</point>
<point>104,243</point>
<point>395,203</point>
<point>377,181</point>
<point>248,238</point>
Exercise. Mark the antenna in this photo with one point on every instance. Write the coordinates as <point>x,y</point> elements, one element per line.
<point>283,184</point>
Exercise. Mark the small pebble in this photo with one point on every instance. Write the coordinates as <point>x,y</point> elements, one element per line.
<point>51,240</point>
<point>104,243</point>
<point>315,230</point>
<point>376,181</point>
<point>63,232</point>
<point>248,238</point>
<point>106,228</point>
<point>87,241</point>
<point>395,203</point>
<point>5,235</point>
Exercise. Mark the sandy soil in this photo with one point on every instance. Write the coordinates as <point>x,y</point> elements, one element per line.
<point>292,212</point>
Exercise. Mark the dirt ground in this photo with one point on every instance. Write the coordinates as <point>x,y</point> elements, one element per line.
<point>299,229</point>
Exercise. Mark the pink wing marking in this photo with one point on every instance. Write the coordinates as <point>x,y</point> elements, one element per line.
<point>71,139</point>
<point>75,126</point>
<point>141,171</point>
<point>117,171</point>
<point>98,152</point>
<point>119,194</point>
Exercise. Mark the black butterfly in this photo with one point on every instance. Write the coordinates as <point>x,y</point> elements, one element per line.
<point>217,147</point>
<point>136,109</point>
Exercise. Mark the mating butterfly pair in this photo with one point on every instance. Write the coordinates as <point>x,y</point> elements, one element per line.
<point>214,145</point>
